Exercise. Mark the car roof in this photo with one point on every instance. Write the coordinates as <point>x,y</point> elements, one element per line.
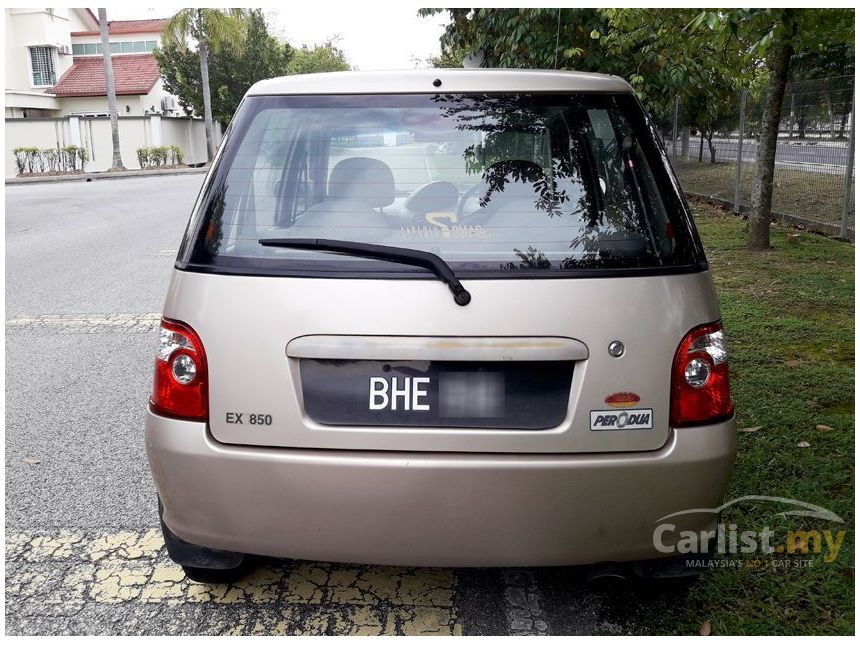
<point>443,80</point>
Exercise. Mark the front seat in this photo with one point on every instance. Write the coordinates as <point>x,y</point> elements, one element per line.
<point>356,187</point>
<point>362,179</point>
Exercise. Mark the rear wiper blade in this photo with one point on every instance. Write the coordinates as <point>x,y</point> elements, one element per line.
<point>399,254</point>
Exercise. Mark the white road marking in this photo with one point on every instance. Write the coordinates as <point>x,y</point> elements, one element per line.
<point>88,323</point>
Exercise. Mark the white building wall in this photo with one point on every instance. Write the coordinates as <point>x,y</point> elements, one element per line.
<point>29,27</point>
<point>79,20</point>
<point>94,134</point>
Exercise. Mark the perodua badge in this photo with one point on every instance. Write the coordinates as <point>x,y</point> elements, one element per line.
<point>438,318</point>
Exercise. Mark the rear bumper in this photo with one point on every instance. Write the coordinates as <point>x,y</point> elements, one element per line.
<point>435,509</point>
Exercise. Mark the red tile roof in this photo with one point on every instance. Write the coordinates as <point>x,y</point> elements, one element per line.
<point>133,74</point>
<point>128,27</point>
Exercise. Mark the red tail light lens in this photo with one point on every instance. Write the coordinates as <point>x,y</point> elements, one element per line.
<point>700,378</point>
<point>180,387</point>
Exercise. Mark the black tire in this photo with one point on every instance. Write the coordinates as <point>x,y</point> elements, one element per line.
<point>216,576</point>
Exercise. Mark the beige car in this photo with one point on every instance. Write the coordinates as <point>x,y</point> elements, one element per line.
<point>439,318</point>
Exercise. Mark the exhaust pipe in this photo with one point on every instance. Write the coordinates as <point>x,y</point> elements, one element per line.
<point>607,573</point>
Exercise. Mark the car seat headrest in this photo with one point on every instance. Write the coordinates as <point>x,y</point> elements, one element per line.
<point>363,179</point>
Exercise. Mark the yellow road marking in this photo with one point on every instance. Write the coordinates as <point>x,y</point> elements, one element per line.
<point>68,570</point>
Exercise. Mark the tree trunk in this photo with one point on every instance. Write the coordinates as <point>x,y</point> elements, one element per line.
<point>203,51</point>
<point>701,145</point>
<point>711,147</point>
<point>759,224</point>
<point>111,90</point>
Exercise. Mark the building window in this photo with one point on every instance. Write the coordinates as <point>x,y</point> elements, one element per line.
<point>86,49</point>
<point>42,63</point>
<point>127,47</point>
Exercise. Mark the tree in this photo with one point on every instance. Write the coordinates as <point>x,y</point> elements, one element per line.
<point>530,38</point>
<point>778,35</point>
<point>447,59</point>
<point>111,91</point>
<point>320,58</point>
<point>211,29</point>
<point>232,70</point>
<point>663,60</point>
<point>648,47</point>
<point>817,91</point>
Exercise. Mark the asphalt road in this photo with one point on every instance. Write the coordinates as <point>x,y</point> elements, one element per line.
<point>87,266</point>
<point>808,155</point>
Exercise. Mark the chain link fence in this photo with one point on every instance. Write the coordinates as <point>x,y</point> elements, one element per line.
<point>814,174</point>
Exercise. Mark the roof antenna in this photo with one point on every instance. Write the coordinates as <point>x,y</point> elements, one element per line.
<point>557,30</point>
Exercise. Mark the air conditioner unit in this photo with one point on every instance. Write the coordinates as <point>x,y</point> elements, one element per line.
<point>168,103</point>
<point>64,49</point>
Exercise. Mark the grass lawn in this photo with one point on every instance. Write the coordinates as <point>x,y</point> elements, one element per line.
<point>789,317</point>
<point>805,194</point>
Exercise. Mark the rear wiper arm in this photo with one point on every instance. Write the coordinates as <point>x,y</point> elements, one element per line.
<point>399,254</point>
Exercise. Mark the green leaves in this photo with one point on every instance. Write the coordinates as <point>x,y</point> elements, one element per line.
<point>322,58</point>
<point>706,56</point>
<point>233,68</point>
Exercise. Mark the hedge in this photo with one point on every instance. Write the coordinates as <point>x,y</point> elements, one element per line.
<point>156,156</point>
<point>68,159</point>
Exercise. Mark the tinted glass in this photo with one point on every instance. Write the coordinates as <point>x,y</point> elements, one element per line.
<point>491,183</point>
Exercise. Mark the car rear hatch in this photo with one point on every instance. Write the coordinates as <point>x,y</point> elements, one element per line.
<point>534,385</point>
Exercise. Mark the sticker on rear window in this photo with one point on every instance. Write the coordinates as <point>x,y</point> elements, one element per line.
<point>626,420</point>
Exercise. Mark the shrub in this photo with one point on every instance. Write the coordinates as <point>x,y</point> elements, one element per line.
<point>50,159</point>
<point>157,156</point>
<point>71,156</point>
<point>27,159</point>
<point>30,160</point>
<point>20,159</point>
<point>176,155</point>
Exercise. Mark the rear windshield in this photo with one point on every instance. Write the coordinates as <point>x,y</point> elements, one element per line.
<point>494,184</point>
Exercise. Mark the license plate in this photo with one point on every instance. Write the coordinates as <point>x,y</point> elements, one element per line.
<point>513,395</point>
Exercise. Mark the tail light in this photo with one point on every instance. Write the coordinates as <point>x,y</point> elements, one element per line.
<point>700,378</point>
<point>180,386</point>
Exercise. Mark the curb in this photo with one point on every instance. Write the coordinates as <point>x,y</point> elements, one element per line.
<point>95,176</point>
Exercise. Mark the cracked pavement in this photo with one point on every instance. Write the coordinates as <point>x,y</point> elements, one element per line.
<point>87,269</point>
<point>55,581</point>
